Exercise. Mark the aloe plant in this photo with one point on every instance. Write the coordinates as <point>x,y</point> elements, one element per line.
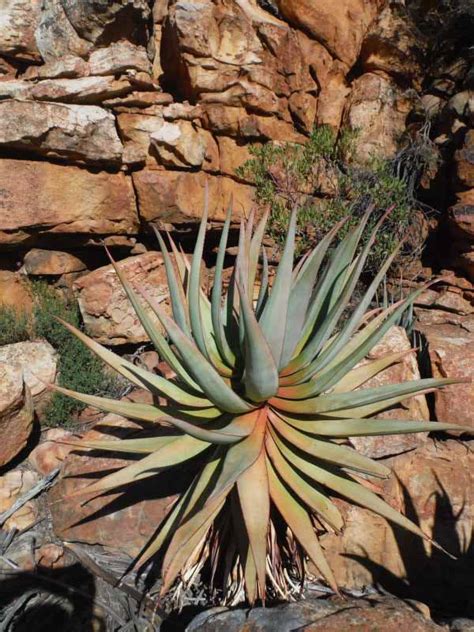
<point>264,400</point>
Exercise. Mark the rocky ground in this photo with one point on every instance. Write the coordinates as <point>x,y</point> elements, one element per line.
<point>115,116</point>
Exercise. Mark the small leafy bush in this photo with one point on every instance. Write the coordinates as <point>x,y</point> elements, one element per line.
<point>321,179</point>
<point>15,325</point>
<point>78,367</point>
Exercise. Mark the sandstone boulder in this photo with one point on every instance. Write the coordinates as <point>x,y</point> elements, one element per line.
<point>340,26</point>
<point>178,196</point>
<point>18,20</point>
<point>107,313</point>
<point>461,219</point>
<point>185,145</point>
<point>37,360</point>
<point>16,413</point>
<point>118,58</point>
<point>14,291</point>
<point>84,90</point>
<point>100,21</point>
<point>377,109</point>
<point>62,199</point>
<point>67,67</point>
<point>51,452</point>
<point>451,352</point>
<point>313,614</point>
<point>123,521</point>
<point>75,132</point>
<point>415,408</point>
<point>38,262</point>
<point>394,45</point>
<point>12,485</point>
<point>433,486</point>
<point>465,161</point>
<point>55,36</point>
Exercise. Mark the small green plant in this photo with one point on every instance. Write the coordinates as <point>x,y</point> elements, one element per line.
<point>320,178</point>
<point>78,367</point>
<point>261,410</point>
<point>15,325</point>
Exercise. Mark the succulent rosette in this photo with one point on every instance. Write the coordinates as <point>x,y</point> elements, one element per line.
<point>265,398</point>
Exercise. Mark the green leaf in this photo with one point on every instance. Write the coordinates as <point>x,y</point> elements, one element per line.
<point>194,298</point>
<point>216,296</point>
<point>349,489</point>
<point>178,299</point>
<point>388,395</point>
<point>370,427</point>
<point>215,388</point>
<point>240,456</point>
<point>274,315</point>
<point>325,450</point>
<point>260,374</point>
<point>301,292</point>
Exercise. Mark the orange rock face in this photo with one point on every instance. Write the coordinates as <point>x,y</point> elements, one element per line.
<point>16,413</point>
<point>45,197</point>
<point>433,485</point>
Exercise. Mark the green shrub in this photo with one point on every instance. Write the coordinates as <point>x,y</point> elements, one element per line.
<point>14,325</point>
<point>322,180</point>
<point>79,369</point>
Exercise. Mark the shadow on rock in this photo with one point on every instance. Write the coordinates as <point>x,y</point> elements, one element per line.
<point>47,600</point>
<point>445,584</point>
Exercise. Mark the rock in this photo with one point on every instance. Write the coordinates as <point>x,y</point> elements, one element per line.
<point>451,352</point>
<point>130,518</point>
<point>461,220</point>
<point>38,262</point>
<point>103,21</point>
<point>332,615</point>
<point>107,313</point>
<point>84,90</point>
<point>433,486</point>
<point>13,485</point>
<point>461,624</point>
<point>67,67</point>
<point>415,408</point>
<point>55,35</point>
<point>339,27</point>
<point>51,452</point>
<point>54,201</point>
<point>466,262</point>
<point>50,556</point>
<point>14,291</point>
<point>37,360</point>
<point>117,58</point>
<point>182,144</point>
<point>75,132</point>
<point>139,100</point>
<point>16,413</point>
<point>377,109</point>
<point>174,196</point>
<point>449,298</point>
<point>464,158</point>
<point>232,154</point>
<point>394,45</point>
<point>135,131</point>
<point>18,20</point>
